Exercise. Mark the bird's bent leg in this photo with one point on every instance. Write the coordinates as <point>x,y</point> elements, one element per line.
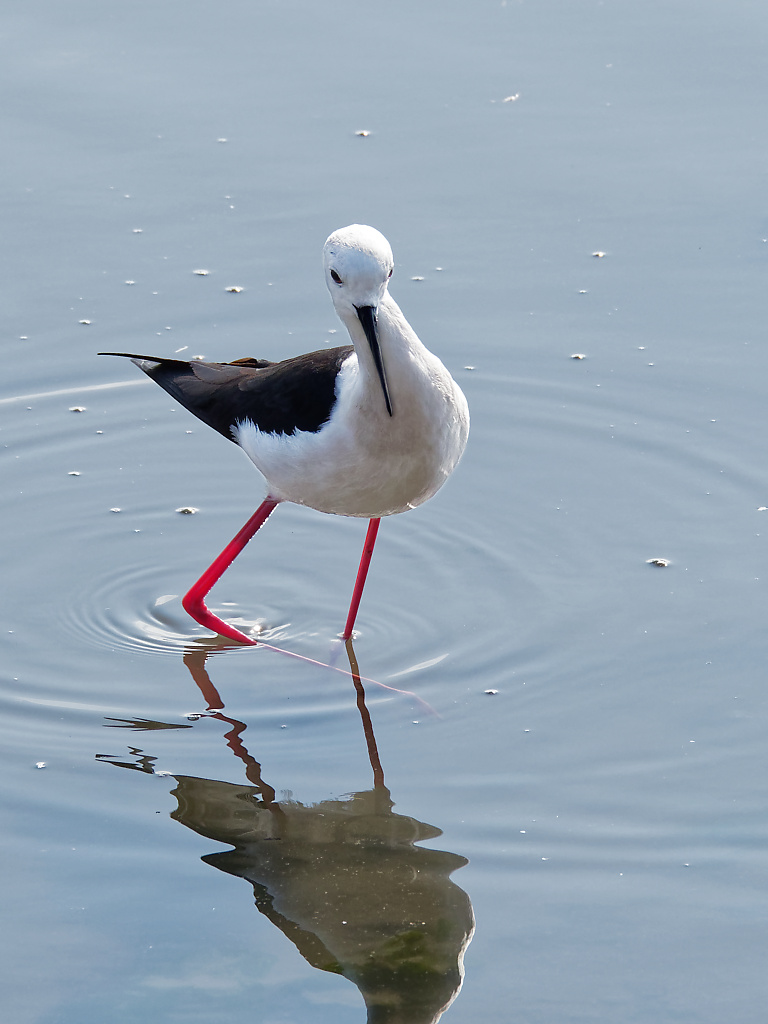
<point>362,572</point>
<point>193,601</point>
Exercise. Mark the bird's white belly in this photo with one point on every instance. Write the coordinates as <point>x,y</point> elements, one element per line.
<point>364,462</point>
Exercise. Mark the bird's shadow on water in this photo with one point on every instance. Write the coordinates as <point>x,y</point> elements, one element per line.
<point>343,879</point>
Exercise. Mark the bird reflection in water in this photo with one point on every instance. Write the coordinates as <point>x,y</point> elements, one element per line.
<point>342,879</point>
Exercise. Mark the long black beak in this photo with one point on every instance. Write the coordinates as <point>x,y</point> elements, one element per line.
<point>367,317</point>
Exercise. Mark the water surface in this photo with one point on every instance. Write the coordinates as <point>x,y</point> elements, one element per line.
<point>578,764</point>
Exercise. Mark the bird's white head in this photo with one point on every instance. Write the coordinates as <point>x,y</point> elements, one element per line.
<point>358,265</point>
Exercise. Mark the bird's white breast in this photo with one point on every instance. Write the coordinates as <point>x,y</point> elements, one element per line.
<point>363,462</point>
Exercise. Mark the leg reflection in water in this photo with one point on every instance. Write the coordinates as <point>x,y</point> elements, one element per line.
<point>342,879</point>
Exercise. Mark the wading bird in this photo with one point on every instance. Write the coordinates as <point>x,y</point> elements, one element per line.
<point>367,429</point>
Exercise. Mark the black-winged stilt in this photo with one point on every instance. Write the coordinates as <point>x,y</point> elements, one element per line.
<point>367,429</point>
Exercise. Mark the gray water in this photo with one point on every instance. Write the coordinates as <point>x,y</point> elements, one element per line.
<point>578,765</point>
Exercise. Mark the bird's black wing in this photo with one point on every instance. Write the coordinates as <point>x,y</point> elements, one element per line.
<point>279,398</point>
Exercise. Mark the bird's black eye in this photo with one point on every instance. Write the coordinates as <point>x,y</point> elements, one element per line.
<point>335,277</point>
<point>390,273</point>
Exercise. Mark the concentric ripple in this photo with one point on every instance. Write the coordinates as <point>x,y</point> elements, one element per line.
<point>125,610</point>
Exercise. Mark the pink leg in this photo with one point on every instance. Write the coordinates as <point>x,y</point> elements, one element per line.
<point>193,601</point>
<point>362,572</point>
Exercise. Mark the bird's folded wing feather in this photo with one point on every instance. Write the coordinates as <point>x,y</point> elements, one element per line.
<point>295,394</point>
